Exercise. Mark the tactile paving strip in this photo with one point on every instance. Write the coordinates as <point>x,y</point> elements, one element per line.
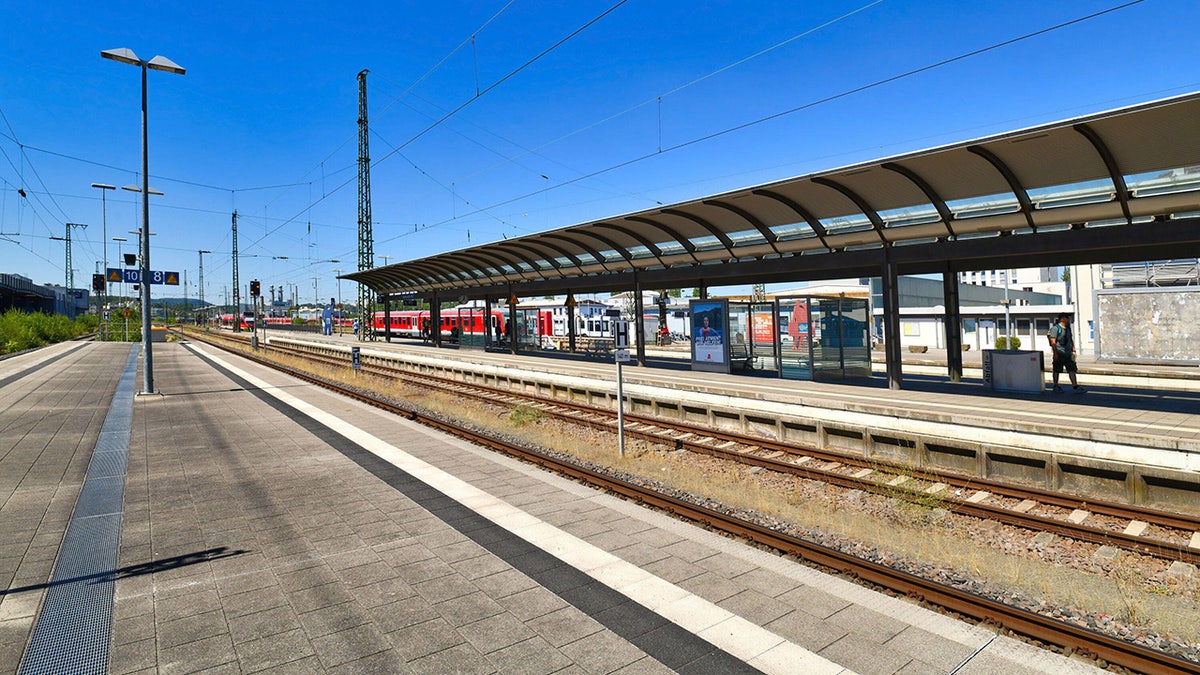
<point>74,627</point>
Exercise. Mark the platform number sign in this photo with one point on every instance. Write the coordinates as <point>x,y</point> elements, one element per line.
<point>134,276</point>
<point>620,331</point>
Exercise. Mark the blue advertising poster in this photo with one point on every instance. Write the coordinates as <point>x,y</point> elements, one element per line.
<point>708,333</point>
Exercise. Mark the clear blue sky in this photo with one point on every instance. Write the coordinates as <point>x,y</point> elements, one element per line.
<point>270,99</point>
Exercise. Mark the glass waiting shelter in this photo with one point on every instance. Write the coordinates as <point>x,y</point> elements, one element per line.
<point>823,338</point>
<point>800,338</point>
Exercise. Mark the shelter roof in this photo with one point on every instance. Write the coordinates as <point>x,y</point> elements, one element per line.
<point>1123,168</point>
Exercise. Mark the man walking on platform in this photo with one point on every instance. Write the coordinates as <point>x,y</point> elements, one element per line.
<point>1062,342</point>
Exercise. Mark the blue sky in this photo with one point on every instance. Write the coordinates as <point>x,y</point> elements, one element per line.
<point>270,99</point>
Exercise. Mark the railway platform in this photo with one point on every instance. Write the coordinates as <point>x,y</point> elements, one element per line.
<point>1124,440</point>
<point>238,520</point>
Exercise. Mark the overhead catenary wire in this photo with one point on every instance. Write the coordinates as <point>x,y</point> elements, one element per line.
<point>793,110</point>
<point>462,106</point>
<point>658,100</point>
<point>469,39</point>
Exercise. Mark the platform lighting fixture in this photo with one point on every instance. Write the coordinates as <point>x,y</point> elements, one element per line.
<point>166,65</point>
<point>134,188</point>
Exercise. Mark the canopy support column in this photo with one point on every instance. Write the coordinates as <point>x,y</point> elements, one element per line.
<point>387,318</point>
<point>953,325</point>
<point>489,333</point>
<point>569,305</point>
<point>891,322</point>
<point>512,321</point>
<point>435,320</point>
<point>639,326</point>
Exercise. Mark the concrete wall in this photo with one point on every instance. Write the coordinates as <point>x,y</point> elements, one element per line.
<point>1149,324</point>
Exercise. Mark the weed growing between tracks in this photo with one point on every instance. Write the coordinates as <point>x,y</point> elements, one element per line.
<point>1130,596</point>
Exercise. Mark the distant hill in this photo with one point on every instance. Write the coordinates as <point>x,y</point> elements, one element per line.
<point>169,302</point>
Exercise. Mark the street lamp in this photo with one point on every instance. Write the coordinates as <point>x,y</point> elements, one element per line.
<point>104,188</point>
<point>202,252</point>
<point>338,271</point>
<point>104,217</point>
<point>166,65</point>
<point>120,259</point>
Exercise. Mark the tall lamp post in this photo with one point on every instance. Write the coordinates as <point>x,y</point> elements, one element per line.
<point>120,262</point>
<point>338,271</point>
<point>168,66</point>
<point>104,218</point>
<point>202,307</point>
<point>104,188</point>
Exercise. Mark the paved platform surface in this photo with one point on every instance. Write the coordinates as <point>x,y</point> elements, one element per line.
<point>269,526</point>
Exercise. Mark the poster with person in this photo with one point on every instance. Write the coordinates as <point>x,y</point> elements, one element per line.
<point>708,334</point>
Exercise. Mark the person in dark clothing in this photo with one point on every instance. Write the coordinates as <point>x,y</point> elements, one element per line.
<point>1062,342</point>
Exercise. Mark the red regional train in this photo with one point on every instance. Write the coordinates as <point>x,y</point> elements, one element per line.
<point>413,323</point>
<point>546,325</point>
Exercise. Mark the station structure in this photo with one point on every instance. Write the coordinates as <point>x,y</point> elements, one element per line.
<point>1109,187</point>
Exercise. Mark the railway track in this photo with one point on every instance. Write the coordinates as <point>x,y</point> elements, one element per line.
<point>1045,629</point>
<point>1138,529</point>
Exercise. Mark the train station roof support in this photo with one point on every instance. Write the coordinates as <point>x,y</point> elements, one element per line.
<point>1122,185</point>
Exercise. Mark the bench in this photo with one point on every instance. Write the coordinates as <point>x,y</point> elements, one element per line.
<point>597,347</point>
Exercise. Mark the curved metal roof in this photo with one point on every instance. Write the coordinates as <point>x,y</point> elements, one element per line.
<point>1111,168</point>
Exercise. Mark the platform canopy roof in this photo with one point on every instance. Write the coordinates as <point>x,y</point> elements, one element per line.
<point>1109,186</point>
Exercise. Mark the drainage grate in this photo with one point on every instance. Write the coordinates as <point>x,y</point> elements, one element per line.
<point>74,627</point>
<point>107,464</point>
<point>99,497</point>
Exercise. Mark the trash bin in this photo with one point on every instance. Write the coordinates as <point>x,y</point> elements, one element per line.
<point>1018,370</point>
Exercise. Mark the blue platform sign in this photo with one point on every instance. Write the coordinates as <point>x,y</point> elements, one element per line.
<point>134,276</point>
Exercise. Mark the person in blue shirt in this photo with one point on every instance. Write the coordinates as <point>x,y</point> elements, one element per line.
<point>327,318</point>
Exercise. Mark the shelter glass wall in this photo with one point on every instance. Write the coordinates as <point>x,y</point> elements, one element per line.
<point>473,328</point>
<point>823,338</point>
<point>753,339</point>
<point>795,342</point>
<point>528,338</point>
<point>764,336</point>
<point>841,348</point>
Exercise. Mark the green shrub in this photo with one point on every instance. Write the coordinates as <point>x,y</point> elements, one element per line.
<point>24,330</point>
<point>1008,343</point>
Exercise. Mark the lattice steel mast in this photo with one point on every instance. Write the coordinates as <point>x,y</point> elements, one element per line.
<point>366,240</point>
<point>237,297</point>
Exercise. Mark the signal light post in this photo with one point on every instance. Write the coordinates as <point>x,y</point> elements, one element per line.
<point>256,303</point>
